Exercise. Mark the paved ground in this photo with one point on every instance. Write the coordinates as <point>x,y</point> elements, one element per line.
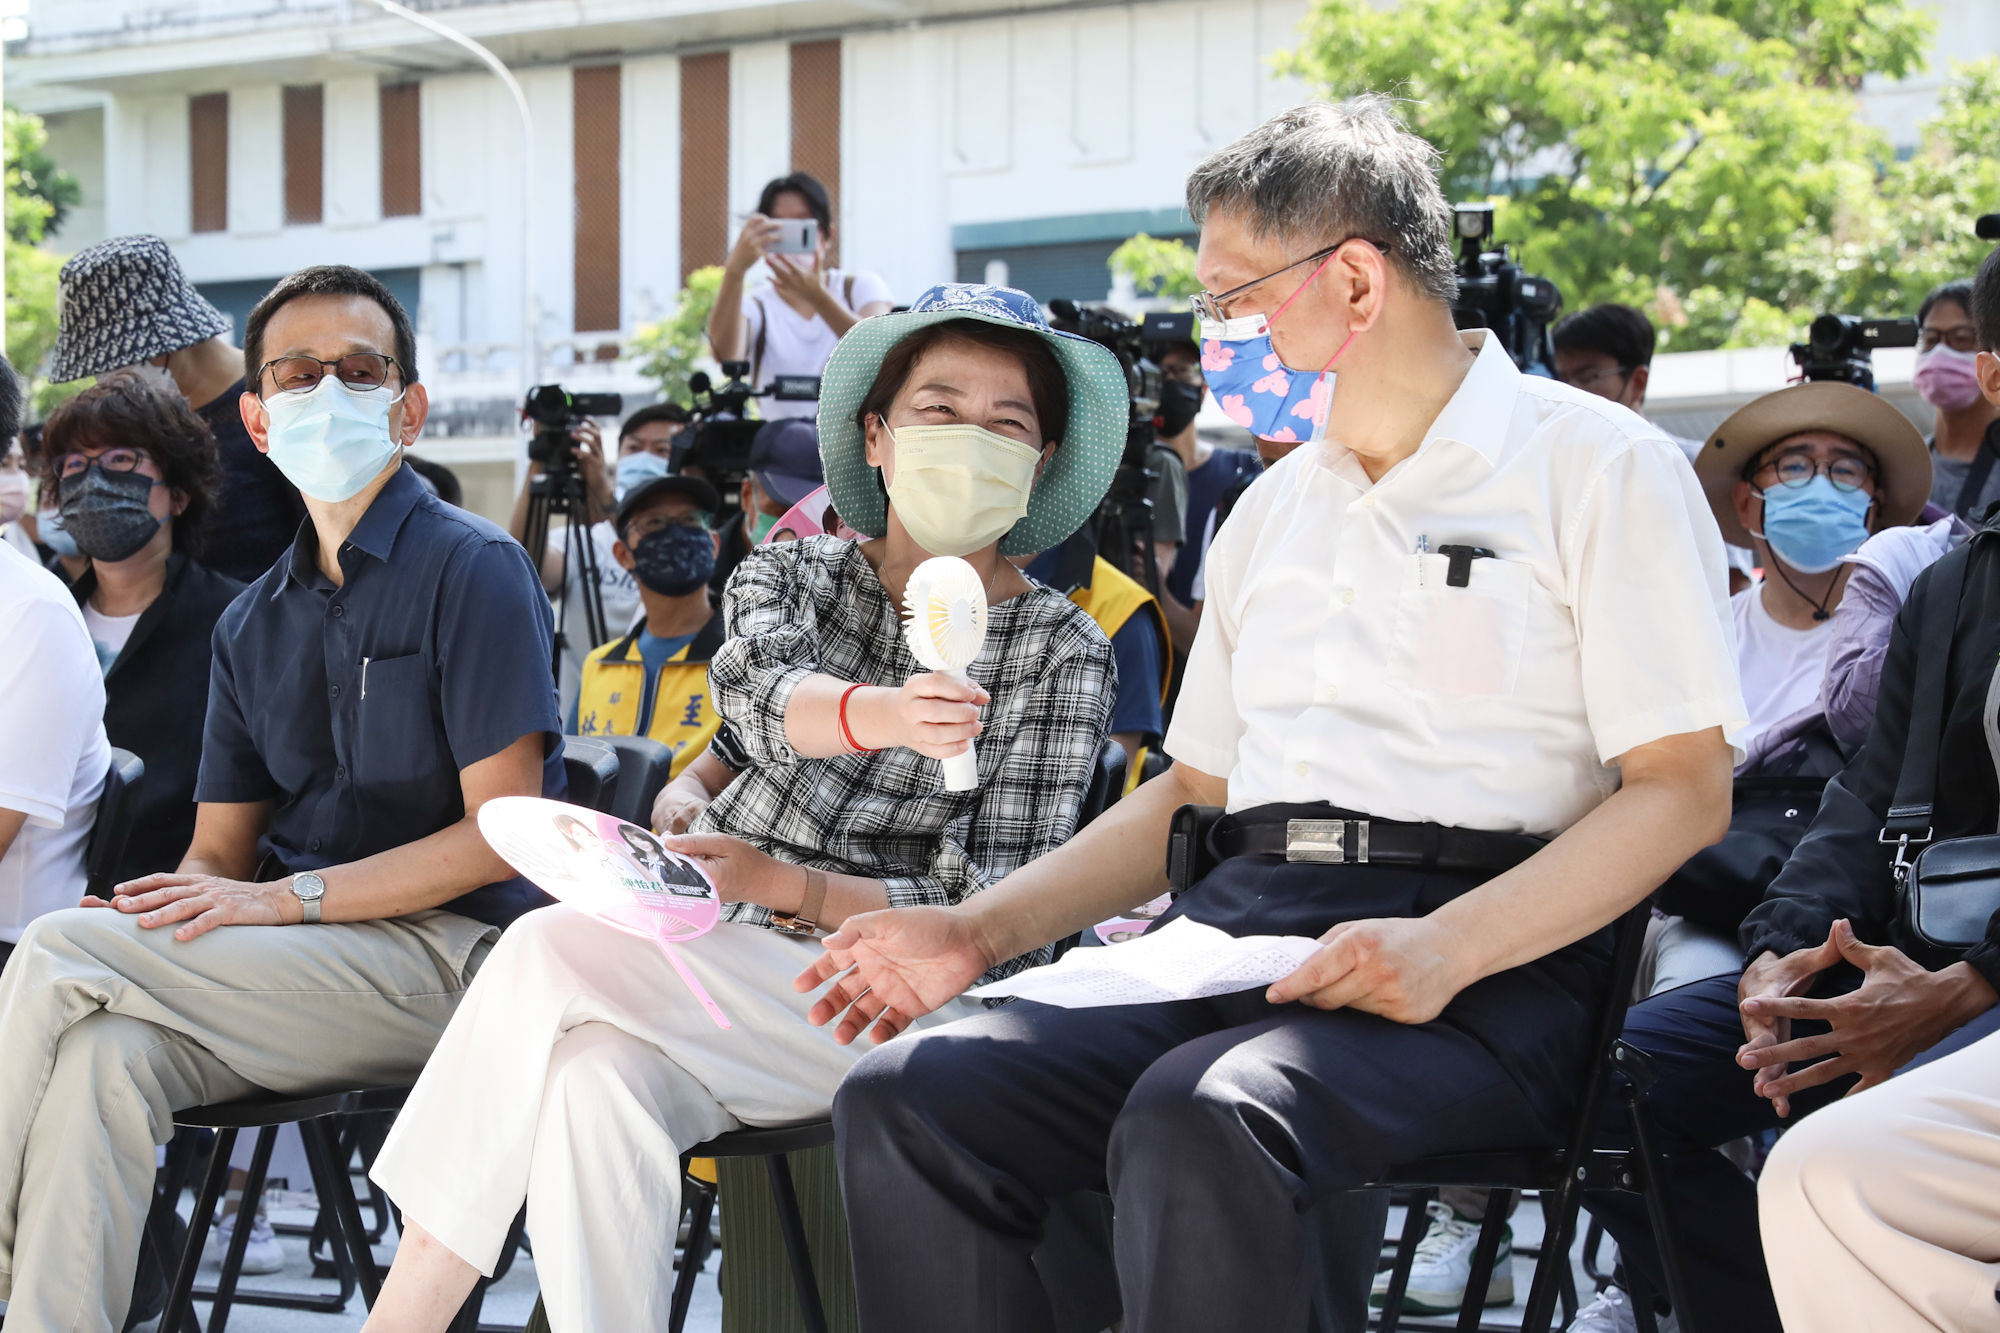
<point>509,1302</point>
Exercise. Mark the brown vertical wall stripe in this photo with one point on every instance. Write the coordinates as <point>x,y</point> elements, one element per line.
<point>704,161</point>
<point>305,153</point>
<point>595,125</point>
<point>402,151</point>
<point>208,161</point>
<point>816,114</point>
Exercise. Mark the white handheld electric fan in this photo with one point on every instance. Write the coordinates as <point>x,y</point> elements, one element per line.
<point>945,605</point>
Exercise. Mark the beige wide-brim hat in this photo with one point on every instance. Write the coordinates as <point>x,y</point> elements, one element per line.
<point>1901,456</point>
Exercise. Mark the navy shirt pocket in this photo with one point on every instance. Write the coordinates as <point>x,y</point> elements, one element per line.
<point>398,755</point>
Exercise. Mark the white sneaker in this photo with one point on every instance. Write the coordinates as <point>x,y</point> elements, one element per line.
<point>1443,1265</point>
<point>262,1255</point>
<point>1612,1312</point>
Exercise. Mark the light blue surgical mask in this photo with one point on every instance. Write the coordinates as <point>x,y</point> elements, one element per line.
<point>49,527</point>
<point>1811,527</point>
<point>635,470</point>
<point>331,441</point>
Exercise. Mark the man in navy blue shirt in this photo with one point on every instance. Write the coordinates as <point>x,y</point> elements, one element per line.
<point>370,692</point>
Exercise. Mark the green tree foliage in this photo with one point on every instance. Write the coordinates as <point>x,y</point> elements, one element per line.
<point>1703,158</point>
<point>673,347</point>
<point>38,194</point>
<point>1162,268</point>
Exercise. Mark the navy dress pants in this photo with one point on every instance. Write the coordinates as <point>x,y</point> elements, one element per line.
<point>1216,1125</point>
<point>1702,1100</point>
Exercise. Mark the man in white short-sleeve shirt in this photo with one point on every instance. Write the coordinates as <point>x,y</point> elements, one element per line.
<point>53,755</point>
<point>1464,685</point>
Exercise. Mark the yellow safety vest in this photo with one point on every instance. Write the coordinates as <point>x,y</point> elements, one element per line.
<point>682,716</point>
<point>1112,597</point>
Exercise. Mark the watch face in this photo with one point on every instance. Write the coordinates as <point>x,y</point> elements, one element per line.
<point>308,885</point>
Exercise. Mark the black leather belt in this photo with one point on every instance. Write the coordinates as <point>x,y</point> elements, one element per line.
<point>1377,842</point>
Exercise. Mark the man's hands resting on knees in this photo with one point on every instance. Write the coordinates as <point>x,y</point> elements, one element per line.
<point>1900,1011</point>
<point>200,903</point>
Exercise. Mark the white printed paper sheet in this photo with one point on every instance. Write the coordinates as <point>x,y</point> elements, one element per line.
<point>1182,960</point>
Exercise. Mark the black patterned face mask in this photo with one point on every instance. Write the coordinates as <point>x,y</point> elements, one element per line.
<point>675,560</point>
<point>107,514</point>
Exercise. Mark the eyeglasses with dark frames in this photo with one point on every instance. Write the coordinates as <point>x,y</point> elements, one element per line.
<point>111,460</point>
<point>647,524</point>
<point>361,371</point>
<point>1960,338</point>
<point>1794,470</point>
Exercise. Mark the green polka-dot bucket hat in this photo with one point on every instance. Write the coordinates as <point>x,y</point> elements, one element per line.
<point>1078,472</point>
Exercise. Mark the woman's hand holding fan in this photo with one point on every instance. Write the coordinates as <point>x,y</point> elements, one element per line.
<point>944,607</point>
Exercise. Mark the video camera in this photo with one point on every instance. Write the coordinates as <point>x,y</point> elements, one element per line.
<point>1841,347</point>
<point>723,431</point>
<point>1124,522</point>
<point>1496,293</point>
<point>555,412</point>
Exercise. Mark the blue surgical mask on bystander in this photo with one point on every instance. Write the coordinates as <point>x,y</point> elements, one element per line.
<point>1811,527</point>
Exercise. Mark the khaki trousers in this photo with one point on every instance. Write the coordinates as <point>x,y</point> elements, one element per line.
<point>106,1029</point>
<point>575,1074</point>
<point>1882,1211</point>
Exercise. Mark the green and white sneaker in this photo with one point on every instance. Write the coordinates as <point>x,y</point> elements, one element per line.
<point>1443,1266</point>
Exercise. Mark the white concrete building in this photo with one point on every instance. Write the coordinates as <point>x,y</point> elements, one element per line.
<point>959,137</point>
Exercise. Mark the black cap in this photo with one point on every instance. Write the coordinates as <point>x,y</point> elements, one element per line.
<point>694,488</point>
<point>785,458</point>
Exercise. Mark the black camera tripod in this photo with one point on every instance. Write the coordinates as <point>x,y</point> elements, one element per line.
<point>1123,524</point>
<point>560,493</point>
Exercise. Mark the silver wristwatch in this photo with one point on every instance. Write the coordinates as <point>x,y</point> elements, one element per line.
<point>309,888</point>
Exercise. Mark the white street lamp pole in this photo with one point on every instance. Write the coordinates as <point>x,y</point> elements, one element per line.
<point>531,351</point>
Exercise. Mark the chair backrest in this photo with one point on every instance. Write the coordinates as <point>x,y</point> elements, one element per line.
<point>1107,782</point>
<point>592,769</point>
<point>117,809</point>
<point>644,765</point>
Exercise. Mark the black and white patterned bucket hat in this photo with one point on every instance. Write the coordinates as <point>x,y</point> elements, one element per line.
<point>124,301</point>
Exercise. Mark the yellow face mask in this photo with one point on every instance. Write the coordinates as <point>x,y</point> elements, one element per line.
<point>958,487</point>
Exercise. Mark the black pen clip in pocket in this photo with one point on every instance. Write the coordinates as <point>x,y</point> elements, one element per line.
<point>1458,574</point>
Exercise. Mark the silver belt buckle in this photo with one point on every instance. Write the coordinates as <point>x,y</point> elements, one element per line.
<point>1324,841</point>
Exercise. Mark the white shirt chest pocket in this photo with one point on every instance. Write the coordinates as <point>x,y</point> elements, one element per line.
<point>1461,643</point>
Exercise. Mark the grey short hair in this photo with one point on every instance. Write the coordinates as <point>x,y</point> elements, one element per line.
<point>1322,172</point>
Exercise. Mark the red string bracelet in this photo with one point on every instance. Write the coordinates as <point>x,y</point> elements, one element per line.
<point>846,732</point>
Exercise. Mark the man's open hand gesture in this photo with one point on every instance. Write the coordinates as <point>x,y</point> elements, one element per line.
<point>892,967</point>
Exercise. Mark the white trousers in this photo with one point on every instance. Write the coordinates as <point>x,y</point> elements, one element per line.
<point>1882,1211</point>
<point>576,1071</point>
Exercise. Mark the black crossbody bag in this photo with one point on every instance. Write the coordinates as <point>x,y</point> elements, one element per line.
<point>1951,889</point>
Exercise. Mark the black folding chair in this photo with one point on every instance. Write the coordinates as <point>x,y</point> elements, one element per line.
<point>354,1262</point>
<point>592,768</point>
<point>117,809</point>
<point>1558,1174</point>
<point>1107,783</point>
<point>771,1145</point>
<point>644,765</point>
